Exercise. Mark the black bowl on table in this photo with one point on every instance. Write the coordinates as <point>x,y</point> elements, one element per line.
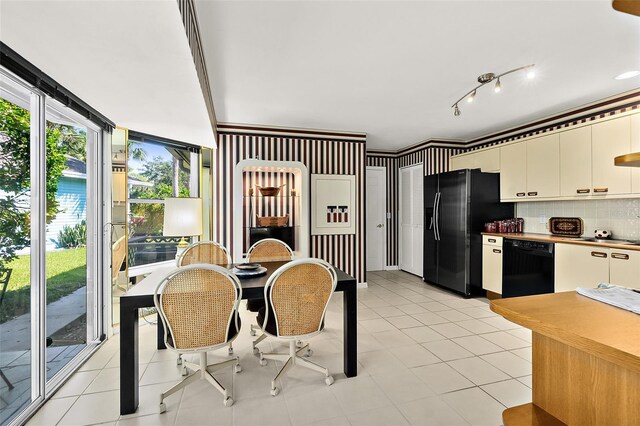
<point>247,266</point>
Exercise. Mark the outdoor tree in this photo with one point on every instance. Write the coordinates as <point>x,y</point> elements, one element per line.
<point>147,218</point>
<point>15,179</point>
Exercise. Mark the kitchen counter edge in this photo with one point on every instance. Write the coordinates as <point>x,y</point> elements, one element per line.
<point>558,239</point>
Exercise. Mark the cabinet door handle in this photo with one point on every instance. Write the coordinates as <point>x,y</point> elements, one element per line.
<point>599,254</point>
<point>583,191</point>
<point>492,240</point>
<point>497,251</point>
<point>620,256</point>
<point>600,190</point>
<point>520,194</point>
<point>532,194</point>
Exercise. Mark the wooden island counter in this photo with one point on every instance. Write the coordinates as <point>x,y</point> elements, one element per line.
<point>586,360</point>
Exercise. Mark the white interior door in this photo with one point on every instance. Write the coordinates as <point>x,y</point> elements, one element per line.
<point>411,219</point>
<point>376,218</point>
<point>417,217</point>
<point>405,220</point>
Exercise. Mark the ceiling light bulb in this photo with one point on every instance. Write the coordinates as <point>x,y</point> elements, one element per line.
<point>456,111</point>
<point>498,87</point>
<point>531,73</point>
<point>628,74</point>
<point>471,97</point>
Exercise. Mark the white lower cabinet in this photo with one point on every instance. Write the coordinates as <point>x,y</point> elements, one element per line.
<point>580,266</point>
<point>624,268</point>
<point>492,264</point>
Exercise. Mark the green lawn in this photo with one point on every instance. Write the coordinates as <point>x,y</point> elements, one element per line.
<point>66,272</point>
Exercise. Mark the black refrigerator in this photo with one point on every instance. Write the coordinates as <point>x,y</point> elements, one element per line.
<point>457,205</point>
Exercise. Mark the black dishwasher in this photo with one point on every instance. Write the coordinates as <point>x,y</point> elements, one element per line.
<point>527,268</point>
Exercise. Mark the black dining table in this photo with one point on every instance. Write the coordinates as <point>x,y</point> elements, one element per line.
<point>141,296</point>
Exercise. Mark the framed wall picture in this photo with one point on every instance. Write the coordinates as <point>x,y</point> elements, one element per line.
<point>333,204</point>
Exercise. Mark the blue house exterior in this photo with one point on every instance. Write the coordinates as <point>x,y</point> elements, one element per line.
<point>72,199</point>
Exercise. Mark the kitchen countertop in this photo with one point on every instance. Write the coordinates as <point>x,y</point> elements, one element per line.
<point>585,360</point>
<point>558,239</point>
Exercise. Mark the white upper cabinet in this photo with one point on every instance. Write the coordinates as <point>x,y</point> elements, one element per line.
<point>487,160</point>
<point>565,164</point>
<point>610,139</point>
<point>513,171</point>
<point>575,162</point>
<point>635,147</point>
<point>543,167</point>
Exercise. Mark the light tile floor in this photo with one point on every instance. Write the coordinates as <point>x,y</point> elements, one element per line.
<point>426,357</point>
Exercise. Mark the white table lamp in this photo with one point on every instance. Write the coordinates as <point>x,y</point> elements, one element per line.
<point>182,218</point>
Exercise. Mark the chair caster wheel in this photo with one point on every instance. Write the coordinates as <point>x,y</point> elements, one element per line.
<point>179,360</point>
<point>253,333</point>
<point>308,353</point>
<point>256,351</point>
<point>329,380</point>
<point>263,362</point>
<point>275,391</point>
<point>230,351</point>
<point>163,407</point>
<point>184,371</point>
<point>237,368</point>
<point>299,344</point>
<point>228,402</point>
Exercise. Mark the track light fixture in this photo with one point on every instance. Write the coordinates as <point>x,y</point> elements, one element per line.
<point>471,97</point>
<point>488,78</point>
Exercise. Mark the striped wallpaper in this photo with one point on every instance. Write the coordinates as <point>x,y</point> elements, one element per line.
<point>322,153</point>
<point>190,21</point>
<point>434,160</point>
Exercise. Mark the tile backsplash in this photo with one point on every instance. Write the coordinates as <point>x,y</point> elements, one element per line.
<point>621,217</point>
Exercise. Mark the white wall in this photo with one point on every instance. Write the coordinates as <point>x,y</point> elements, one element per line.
<point>622,217</point>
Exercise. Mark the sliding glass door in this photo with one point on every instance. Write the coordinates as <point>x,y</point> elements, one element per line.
<point>15,251</point>
<point>49,244</point>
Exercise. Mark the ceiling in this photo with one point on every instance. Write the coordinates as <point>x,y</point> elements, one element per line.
<point>393,69</point>
<point>129,60</point>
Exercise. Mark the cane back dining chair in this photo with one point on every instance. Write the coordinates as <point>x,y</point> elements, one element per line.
<point>269,250</point>
<point>265,250</point>
<point>207,252</point>
<point>204,252</point>
<point>198,306</point>
<point>297,295</point>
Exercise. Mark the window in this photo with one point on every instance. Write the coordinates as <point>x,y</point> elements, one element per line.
<point>157,170</point>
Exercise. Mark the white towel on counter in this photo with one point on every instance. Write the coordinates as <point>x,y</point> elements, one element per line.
<point>614,295</point>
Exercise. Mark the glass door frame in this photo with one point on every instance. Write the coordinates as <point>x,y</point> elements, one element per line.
<point>41,389</point>
<point>94,194</point>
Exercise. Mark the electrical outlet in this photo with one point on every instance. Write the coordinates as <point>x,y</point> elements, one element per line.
<point>542,219</point>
